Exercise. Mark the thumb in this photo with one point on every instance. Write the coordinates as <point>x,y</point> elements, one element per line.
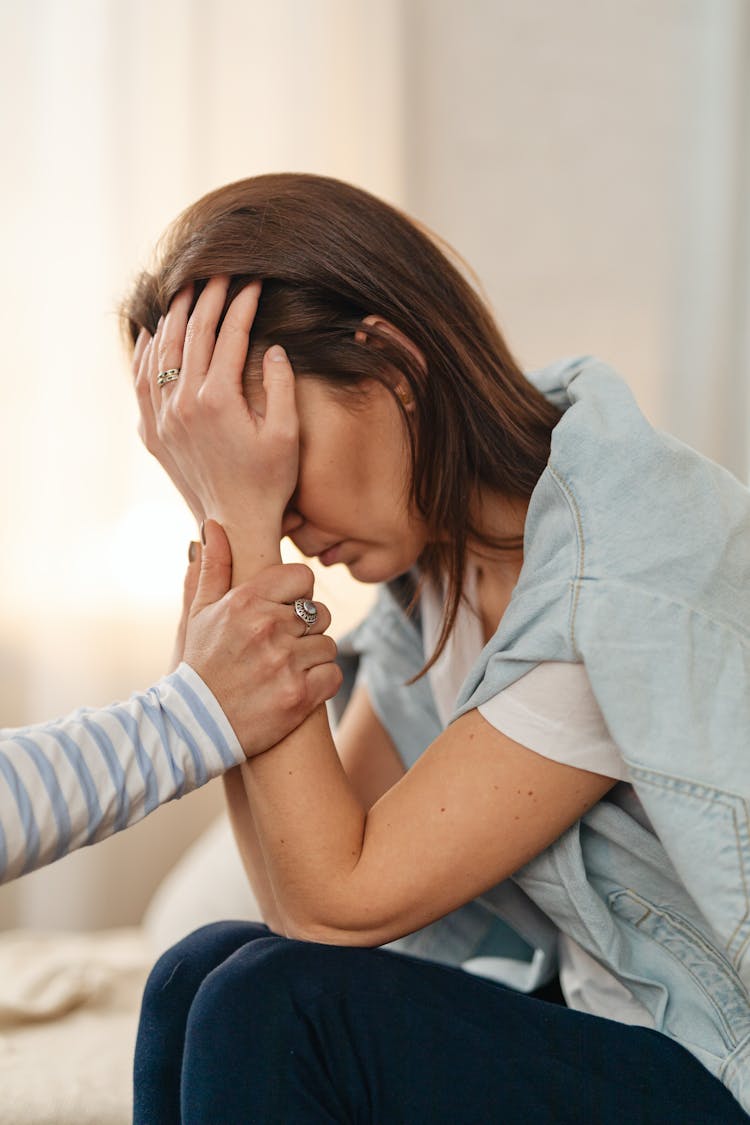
<point>215,579</point>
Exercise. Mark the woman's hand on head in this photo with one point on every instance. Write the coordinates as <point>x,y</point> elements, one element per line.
<point>240,465</point>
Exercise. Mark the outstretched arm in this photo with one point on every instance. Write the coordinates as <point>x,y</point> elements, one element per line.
<point>244,682</point>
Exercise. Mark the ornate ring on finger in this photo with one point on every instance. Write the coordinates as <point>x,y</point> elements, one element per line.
<point>171,375</point>
<point>307,611</point>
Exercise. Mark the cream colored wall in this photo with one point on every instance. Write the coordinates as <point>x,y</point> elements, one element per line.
<point>591,159</point>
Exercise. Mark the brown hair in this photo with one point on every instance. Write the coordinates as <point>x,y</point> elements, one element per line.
<point>330,254</point>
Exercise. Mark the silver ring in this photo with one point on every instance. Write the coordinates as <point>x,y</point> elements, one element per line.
<point>307,611</point>
<point>170,376</point>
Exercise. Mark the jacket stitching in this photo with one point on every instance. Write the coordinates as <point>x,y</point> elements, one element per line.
<point>567,492</point>
<point>733,1063</point>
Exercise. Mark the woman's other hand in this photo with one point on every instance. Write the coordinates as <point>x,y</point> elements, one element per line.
<point>247,644</point>
<point>241,465</point>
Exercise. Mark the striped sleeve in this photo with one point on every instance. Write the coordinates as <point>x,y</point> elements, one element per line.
<point>72,782</point>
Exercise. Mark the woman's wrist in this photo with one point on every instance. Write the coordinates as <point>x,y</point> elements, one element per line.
<point>255,545</point>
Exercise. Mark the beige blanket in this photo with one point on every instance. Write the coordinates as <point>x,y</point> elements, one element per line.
<point>69,1008</point>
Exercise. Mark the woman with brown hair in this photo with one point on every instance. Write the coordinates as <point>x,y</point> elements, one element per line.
<point>542,762</point>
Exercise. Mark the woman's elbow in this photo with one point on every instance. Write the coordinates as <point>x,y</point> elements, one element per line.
<point>326,933</point>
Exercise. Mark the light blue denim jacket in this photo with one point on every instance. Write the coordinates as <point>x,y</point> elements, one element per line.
<point>636,562</point>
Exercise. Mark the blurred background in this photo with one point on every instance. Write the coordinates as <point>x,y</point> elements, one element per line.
<point>590,159</point>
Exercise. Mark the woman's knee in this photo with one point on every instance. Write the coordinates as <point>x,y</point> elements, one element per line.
<point>271,979</point>
<point>187,962</point>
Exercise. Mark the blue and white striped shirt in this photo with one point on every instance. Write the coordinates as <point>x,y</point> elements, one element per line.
<point>71,782</point>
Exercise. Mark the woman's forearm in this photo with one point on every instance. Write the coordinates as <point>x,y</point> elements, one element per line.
<point>310,826</point>
<point>304,819</point>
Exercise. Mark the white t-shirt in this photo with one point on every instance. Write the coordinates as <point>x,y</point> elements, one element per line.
<point>552,711</point>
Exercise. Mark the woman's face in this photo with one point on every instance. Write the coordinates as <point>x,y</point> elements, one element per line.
<point>352,503</point>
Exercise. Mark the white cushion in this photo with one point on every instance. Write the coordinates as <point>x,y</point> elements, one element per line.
<point>208,884</point>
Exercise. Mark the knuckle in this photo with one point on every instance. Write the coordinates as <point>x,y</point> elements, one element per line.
<point>248,602</point>
<point>236,600</point>
<point>168,352</point>
<point>293,694</point>
<point>334,678</point>
<point>262,630</point>
<point>211,399</point>
<point>302,573</point>
<point>277,662</point>
<point>178,414</point>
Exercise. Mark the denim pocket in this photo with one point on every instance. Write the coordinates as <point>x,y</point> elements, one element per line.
<point>709,828</point>
<point>710,970</point>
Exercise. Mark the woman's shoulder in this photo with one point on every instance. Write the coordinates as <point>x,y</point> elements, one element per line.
<point>645,505</point>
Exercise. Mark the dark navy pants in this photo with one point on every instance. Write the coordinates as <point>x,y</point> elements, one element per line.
<point>239,1025</point>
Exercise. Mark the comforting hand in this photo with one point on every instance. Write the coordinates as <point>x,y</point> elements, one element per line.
<point>267,669</point>
<point>230,462</point>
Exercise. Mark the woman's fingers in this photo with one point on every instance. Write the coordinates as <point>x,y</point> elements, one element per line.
<point>291,623</point>
<point>153,370</point>
<point>323,681</point>
<point>172,336</point>
<point>283,582</point>
<point>278,383</point>
<point>146,420</point>
<point>228,360</point>
<point>315,650</point>
<point>141,357</point>
<point>281,585</point>
<point>318,626</point>
<point>141,344</point>
<point>200,333</point>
